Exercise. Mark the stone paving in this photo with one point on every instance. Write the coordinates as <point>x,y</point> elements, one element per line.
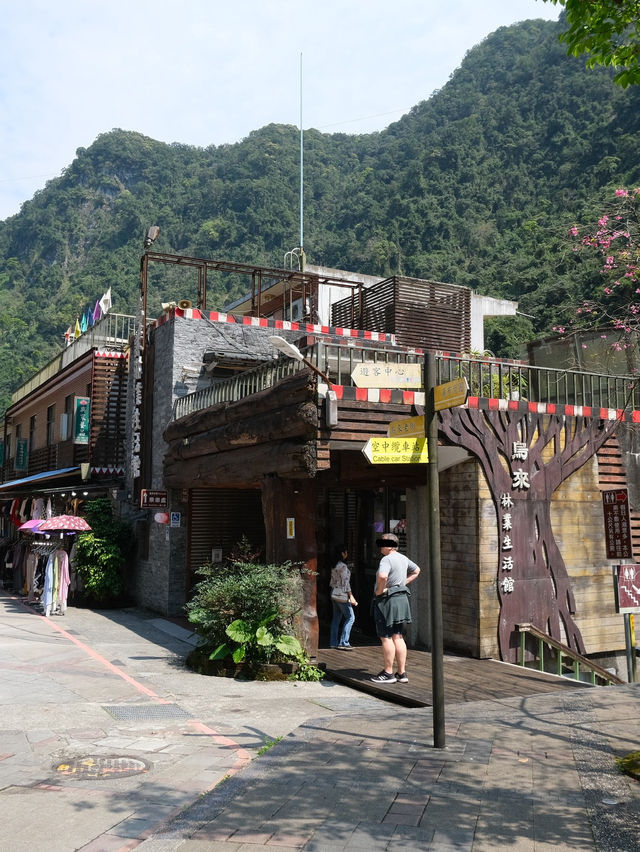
<point>91,697</point>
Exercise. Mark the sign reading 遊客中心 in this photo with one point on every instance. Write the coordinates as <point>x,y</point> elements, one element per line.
<point>371,374</point>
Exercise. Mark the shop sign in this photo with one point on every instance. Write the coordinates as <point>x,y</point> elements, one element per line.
<point>153,499</point>
<point>617,529</point>
<point>82,420</point>
<point>21,461</point>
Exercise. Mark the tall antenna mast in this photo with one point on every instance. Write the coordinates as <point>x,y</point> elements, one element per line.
<point>296,255</point>
<point>301,176</point>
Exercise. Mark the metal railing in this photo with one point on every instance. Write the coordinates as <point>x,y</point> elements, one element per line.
<point>111,332</point>
<point>486,378</point>
<point>505,380</point>
<point>568,663</point>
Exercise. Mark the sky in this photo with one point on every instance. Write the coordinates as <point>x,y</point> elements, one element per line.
<point>208,72</point>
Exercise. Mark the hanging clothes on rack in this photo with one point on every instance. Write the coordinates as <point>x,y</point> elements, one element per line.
<point>47,593</point>
<point>63,580</point>
<point>30,574</point>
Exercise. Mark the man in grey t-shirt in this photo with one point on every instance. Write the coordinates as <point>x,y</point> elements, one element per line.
<point>391,607</point>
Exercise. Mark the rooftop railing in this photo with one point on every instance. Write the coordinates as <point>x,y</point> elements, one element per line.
<point>111,332</point>
<point>489,378</point>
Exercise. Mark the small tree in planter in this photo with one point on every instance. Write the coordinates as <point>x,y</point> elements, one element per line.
<point>100,554</point>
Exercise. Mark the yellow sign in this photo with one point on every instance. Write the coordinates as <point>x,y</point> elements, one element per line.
<point>396,450</point>
<point>450,394</point>
<point>372,374</point>
<point>408,426</point>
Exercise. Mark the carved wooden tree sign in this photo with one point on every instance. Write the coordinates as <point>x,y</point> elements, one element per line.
<point>525,458</point>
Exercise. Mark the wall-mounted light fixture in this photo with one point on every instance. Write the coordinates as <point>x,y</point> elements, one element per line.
<point>331,399</point>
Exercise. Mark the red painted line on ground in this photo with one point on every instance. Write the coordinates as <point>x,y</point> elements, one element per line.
<point>243,756</point>
<point>103,661</point>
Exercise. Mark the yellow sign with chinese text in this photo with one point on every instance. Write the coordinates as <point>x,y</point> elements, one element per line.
<point>396,450</point>
<point>406,426</point>
<point>450,394</point>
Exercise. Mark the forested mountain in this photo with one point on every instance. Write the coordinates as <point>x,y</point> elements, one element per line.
<point>477,185</point>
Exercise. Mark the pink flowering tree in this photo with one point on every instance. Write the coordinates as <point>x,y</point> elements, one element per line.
<point>615,307</point>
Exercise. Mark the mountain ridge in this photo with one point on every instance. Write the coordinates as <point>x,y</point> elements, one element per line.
<point>476,185</point>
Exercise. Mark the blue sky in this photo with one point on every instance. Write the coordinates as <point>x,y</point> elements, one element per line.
<point>208,72</point>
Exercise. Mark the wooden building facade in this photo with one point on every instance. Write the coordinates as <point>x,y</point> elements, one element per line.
<point>277,449</point>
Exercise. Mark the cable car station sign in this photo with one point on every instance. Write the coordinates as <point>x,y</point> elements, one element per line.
<point>396,450</point>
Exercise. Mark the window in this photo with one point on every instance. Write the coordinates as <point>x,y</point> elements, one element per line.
<point>66,419</point>
<point>32,432</point>
<point>51,425</point>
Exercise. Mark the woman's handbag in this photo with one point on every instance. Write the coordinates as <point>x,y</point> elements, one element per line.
<point>339,596</point>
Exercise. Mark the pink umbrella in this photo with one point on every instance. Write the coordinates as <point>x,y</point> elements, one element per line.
<point>64,522</point>
<point>30,526</point>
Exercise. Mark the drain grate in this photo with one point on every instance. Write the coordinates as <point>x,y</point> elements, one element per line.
<point>146,712</point>
<point>98,767</point>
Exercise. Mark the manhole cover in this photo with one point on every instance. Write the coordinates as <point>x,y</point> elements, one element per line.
<point>146,712</point>
<point>99,767</point>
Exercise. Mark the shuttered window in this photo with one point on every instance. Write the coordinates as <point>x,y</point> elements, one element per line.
<point>219,517</point>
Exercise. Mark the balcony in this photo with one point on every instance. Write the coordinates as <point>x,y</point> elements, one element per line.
<point>111,332</point>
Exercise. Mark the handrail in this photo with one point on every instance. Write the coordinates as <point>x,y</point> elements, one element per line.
<point>578,660</point>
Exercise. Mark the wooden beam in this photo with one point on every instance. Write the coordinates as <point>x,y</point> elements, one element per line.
<point>246,465</point>
<point>291,421</point>
<point>297,388</point>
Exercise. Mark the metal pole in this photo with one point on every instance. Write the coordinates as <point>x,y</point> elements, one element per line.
<point>631,651</point>
<point>301,177</point>
<point>435,579</point>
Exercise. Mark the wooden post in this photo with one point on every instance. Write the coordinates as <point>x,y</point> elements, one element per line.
<point>289,508</point>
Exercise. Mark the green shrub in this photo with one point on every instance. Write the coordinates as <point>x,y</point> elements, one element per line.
<point>101,554</point>
<point>246,591</point>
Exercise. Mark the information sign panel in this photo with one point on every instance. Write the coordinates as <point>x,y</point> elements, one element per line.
<point>628,588</point>
<point>406,426</point>
<point>617,529</point>
<point>450,394</point>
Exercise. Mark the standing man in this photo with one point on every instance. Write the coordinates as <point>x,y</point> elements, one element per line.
<point>391,609</point>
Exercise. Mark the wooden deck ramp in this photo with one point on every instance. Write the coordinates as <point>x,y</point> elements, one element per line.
<point>465,679</point>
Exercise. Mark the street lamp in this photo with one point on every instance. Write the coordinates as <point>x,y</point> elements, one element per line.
<point>292,351</point>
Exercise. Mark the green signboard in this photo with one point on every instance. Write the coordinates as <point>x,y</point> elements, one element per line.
<point>21,461</point>
<point>81,420</point>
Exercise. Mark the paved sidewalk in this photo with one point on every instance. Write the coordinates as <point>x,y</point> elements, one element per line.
<point>105,735</point>
<point>520,774</point>
<point>91,697</point>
